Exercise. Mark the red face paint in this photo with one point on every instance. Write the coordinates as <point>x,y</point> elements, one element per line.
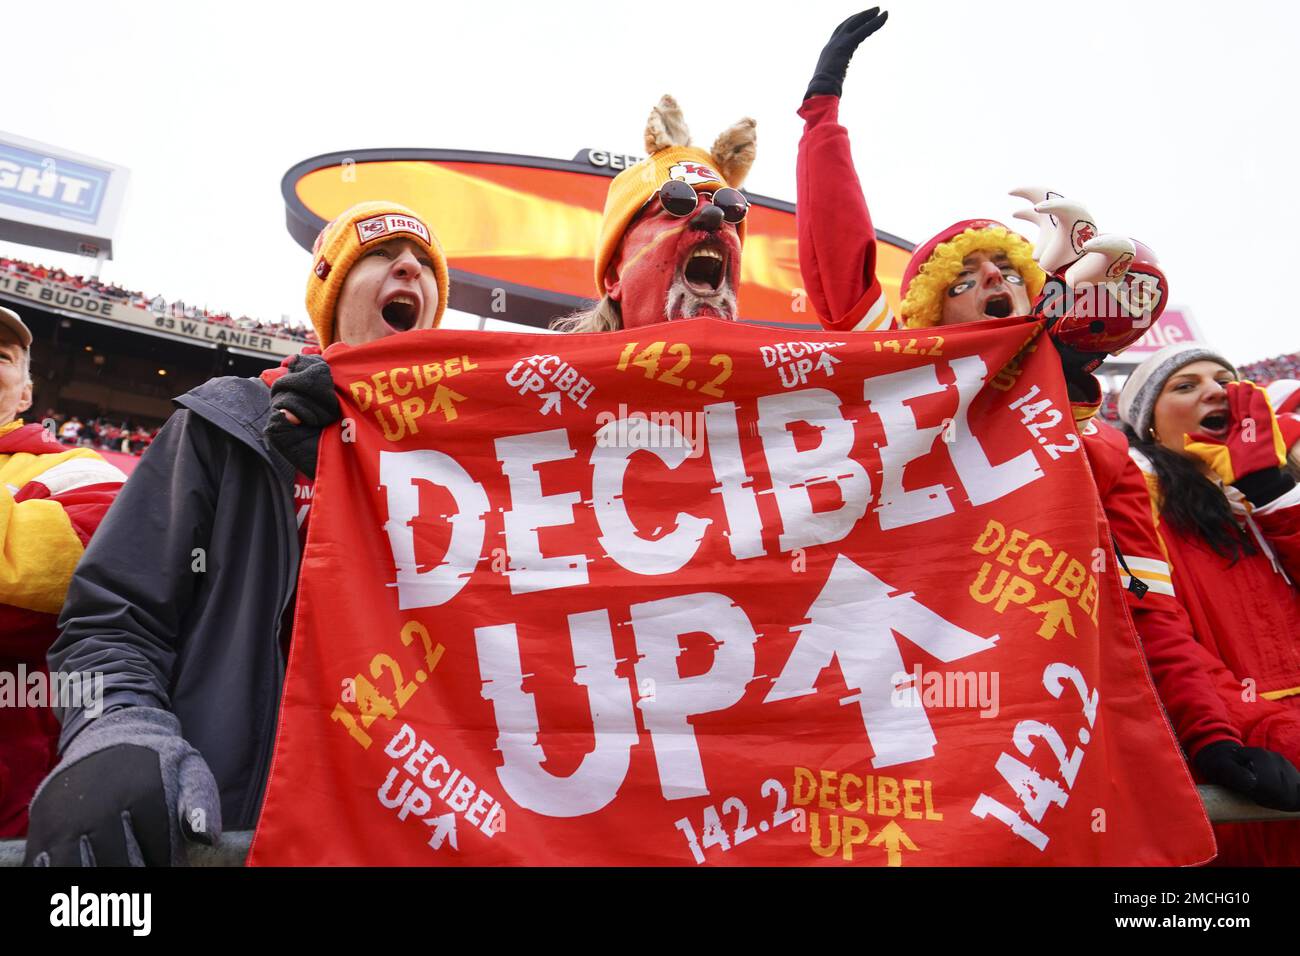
<point>668,268</point>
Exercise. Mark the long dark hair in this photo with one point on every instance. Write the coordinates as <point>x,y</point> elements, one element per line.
<point>1191,503</point>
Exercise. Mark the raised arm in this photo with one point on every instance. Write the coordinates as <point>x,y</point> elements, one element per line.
<point>837,242</point>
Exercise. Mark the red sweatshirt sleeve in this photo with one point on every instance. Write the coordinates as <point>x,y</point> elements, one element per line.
<point>837,243</point>
<point>1186,674</point>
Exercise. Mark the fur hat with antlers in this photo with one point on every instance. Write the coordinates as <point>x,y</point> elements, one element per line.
<point>671,156</point>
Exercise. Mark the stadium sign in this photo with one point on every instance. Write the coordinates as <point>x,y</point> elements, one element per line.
<point>17,289</point>
<point>520,231</point>
<point>1174,327</point>
<point>56,199</point>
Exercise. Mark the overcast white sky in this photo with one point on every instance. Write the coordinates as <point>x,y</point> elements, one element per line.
<point>1174,123</point>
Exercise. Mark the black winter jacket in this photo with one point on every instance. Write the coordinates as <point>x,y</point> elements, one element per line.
<point>180,595</point>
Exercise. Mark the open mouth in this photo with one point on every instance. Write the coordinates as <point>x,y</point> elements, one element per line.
<point>401,312</point>
<point>1215,423</point>
<point>998,305</point>
<point>706,269</point>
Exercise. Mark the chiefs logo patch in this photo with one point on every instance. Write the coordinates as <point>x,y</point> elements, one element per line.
<point>693,174</point>
<point>1119,266</point>
<point>1083,231</point>
<point>381,226</point>
<point>322,268</point>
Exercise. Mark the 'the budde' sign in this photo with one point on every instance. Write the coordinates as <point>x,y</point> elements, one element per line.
<point>705,593</point>
<point>19,288</point>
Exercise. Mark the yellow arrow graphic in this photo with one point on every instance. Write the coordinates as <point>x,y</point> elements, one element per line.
<point>444,400</point>
<point>893,837</point>
<point>1055,613</point>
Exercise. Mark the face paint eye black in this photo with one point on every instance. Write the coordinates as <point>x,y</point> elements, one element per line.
<point>1014,278</point>
<point>957,288</point>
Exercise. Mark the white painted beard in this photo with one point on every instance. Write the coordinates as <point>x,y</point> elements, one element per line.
<point>684,303</point>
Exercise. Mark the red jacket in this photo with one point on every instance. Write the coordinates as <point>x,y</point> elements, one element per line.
<point>1246,615</point>
<point>837,243</point>
<point>1184,672</point>
<point>51,501</point>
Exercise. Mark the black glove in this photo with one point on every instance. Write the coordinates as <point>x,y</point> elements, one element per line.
<point>1265,486</point>
<point>129,792</point>
<point>1078,368</point>
<point>307,390</point>
<point>1266,777</point>
<point>833,64</point>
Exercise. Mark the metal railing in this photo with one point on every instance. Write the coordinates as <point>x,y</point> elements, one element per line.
<point>1221,806</point>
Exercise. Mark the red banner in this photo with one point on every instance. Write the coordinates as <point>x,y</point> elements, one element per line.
<point>706,593</point>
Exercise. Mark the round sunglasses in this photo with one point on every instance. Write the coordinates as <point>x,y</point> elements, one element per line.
<point>680,199</point>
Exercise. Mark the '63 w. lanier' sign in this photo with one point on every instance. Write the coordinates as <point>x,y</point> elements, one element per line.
<point>701,594</point>
<point>18,287</point>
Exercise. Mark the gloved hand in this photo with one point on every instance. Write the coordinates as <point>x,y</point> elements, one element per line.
<point>1253,453</point>
<point>1103,290</point>
<point>1266,777</point>
<point>833,64</point>
<point>307,393</point>
<point>1078,368</point>
<point>129,792</point>
<point>1067,240</point>
<point>1064,227</point>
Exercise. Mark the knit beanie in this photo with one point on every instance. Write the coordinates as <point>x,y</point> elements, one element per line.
<point>342,242</point>
<point>1137,399</point>
<point>935,264</point>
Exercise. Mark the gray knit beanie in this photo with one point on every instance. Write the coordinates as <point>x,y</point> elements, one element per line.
<point>1137,399</point>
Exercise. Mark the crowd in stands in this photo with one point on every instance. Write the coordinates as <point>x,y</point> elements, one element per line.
<point>254,325</point>
<point>103,434</point>
<point>111,290</point>
<point>1266,371</point>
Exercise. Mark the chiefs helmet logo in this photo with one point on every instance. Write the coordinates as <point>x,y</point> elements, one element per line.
<point>1119,266</point>
<point>1081,233</point>
<point>1141,294</point>
<point>693,174</point>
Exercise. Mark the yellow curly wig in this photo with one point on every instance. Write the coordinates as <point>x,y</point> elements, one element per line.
<point>923,304</point>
